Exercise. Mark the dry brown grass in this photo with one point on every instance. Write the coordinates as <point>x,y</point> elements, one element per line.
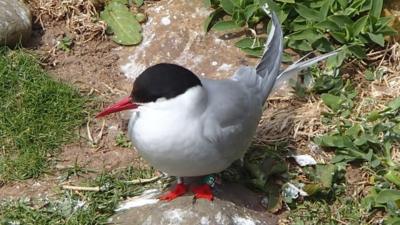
<point>80,17</point>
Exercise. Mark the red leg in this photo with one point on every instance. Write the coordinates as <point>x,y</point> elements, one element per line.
<point>203,191</point>
<point>179,189</point>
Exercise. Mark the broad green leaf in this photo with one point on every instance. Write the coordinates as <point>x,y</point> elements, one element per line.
<point>327,25</point>
<point>312,188</point>
<point>387,195</point>
<point>250,10</point>
<point>323,45</point>
<point>228,6</point>
<point>377,38</point>
<point>394,104</point>
<point>373,116</point>
<point>257,52</point>
<point>211,19</point>
<point>308,13</point>
<point>336,141</point>
<point>359,25</point>
<point>358,51</point>
<point>301,45</point>
<point>310,35</point>
<point>376,8</point>
<point>393,176</point>
<point>343,3</point>
<point>339,36</point>
<point>239,18</point>
<point>225,25</point>
<point>325,8</point>
<point>340,20</point>
<point>332,101</point>
<point>354,130</point>
<point>325,174</point>
<point>126,29</point>
<point>245,43</point>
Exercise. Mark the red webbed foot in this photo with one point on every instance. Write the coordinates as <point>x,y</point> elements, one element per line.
<point>203,191</point>
<point>179,189</point>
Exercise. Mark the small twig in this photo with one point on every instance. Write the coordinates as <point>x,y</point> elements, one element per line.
<point>144,181</point>
<point>78,188</point>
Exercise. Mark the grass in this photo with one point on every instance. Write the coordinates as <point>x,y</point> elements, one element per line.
<point>37,115</point>
<point>77,208</point>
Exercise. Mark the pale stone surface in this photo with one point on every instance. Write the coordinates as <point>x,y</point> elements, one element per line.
<point>174,33</point>
<point>234,205</point>
<point>15,22</point>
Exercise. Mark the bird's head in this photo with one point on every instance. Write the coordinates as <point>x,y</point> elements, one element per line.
<point>161,81</point>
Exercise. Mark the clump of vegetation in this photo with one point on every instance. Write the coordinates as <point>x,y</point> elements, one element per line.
<point>76,208</point>
<point>321,25</point>
<point>37,115</point>
<point>122,23</point>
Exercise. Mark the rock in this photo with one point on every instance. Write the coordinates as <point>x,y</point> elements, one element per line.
<point>244,210</point>
<point>183,212</point>
<point>15,22</point>
<point>174,33</point>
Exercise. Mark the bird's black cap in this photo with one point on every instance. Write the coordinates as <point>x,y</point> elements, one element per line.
<point>163,81</point>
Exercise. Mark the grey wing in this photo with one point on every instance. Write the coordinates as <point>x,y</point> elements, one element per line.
<point>232,114</point>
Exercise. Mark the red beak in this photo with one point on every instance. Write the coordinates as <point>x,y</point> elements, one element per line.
<point>123,104</point>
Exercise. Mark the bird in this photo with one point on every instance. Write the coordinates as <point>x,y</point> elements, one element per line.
<point>188,126</point>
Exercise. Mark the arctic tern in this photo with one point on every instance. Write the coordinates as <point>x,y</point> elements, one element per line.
<point>187,126</point>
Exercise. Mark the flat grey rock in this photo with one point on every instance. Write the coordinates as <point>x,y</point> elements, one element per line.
<point>233,205</point>
<point>15,22</point>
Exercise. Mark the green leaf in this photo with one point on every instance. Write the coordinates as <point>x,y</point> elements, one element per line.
<point>358,51</point>
<point>332,101</point>
<point>327,25</point>
<point>387,195</point>
<point>336,141</point>
<point>373,116</point>
<point>325,174</point>
<point>312,188</point>
<point>123,24</point>
<point>228,6</point>
<point>376,8</point>
<point>325,8</point>
<point>257,52</point>
<point>377,38</point>
<point>309,34</point>
<point>393,176</point>
<point>211,19</point>
<point>225,25</point>
<point>308,13</point>
<point>323,45</point>
<point>301,45</point>
<point>139,2</point>
<point>250,10</point>
<point>354,131</point>
<point>341,20</point>
<point>394,104</point>
<point>359,25</point>
<point>339,36</point>
<point>246,43</point>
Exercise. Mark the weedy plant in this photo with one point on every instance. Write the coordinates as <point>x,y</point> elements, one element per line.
<point>76,208</point>
<point>323,25</point>
<point>122,23</point>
